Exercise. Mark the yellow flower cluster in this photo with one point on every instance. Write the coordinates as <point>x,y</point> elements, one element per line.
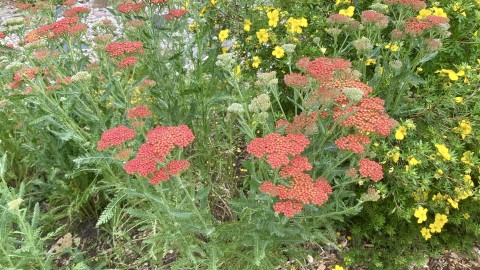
<point>392,47</point>
<point>278,52</point>
<point>464,129</point>
<point>443,151</point>
<point>347,11</point>
<point>262,36</point>
<point>273,17</point>
<point>424,13</point>
<point>452,75</point>
<point>223,35</point>
<point>401,131</point>
<point>436,226</point>
<point>295,25</point>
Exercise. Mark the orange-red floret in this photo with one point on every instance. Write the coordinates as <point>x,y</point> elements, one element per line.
<point>278,148</point>
<point>115,137</point>
<point>141,111</point>
<point>125,47</point>
<point>288,208</point>
<point>323,68</point>
<point>353,142</point>
<point>370,169</point>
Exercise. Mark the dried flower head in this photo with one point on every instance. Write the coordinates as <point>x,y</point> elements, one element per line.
<point>260,104</point>
<point>267,79</point>
<point>362,45</point>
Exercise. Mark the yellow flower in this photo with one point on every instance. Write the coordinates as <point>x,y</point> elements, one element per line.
<point>256,62</point>
<point>466,216</point>
<point>395,157</point>
<point>453,203</point>
<point>463,194</point>
<point>278,52</point>
<point>441,219</point>
<point>338,267</point>
<point>413,161</point>
<point>443,151</point>
<point>459,99</point>
<point>464,128</point>
<point>348,11</point>
<point>421,214</point>
<point>452,75</point>
<point>426,233</point>
<point>435,227</point>
<point>400,133</point>
<point>223,35</point>
<point>439,12</point>
<point>295,25</point>
<point>467,179</point>
<point>273,17</point>
<point>423,13</point>
<point>370,61</point>
<point>439,196</point>
<point>247,25</point>
<point>467,158</point>
<point>392,47</point>
<point>238,70</point>
<point>323,50</point>
<point>262,35</point>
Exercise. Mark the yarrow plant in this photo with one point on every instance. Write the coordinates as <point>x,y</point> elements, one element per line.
<point>337,109</point>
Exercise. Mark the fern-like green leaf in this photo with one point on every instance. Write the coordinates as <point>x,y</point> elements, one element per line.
<point>107,214</point>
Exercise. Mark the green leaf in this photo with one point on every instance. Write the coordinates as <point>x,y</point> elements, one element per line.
<point>107,214</point>
<point>428,57</point>
<point>3,165</point>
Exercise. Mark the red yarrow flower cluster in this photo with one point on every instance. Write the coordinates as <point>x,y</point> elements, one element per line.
<point>69,3</point>
<point>22,76</point>
<point>68,25</point>
<point>375,18</point>
<point>160,142</point>
<point>174,167</point>
<point>2,35</point>
<point>175,13</point>
<point>414,26</point>
<point>353,142</point>
<point>115,137</point>
<point>367,116</point>
<point>303,123</point>
<point>278,148</point>
<point>295,79</point>
<point>370,169</point>
<point>302,189</point>
<point>126,47</point>
<point>141,111</point>
<point>127,62</point>
<point>324,68</point>
<point>127,8</point>
<point>339,19</point>
<point>437,20</point>
<point>73,12</point>
<point>415,4</point>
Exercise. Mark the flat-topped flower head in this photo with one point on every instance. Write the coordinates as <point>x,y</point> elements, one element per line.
<point>324,68</point>
<point>125,47</point>
<point>116,137</point>
<point>278,148</point>
<point>353,142</point>
<point>141,111</point>
<point>370,169</point>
